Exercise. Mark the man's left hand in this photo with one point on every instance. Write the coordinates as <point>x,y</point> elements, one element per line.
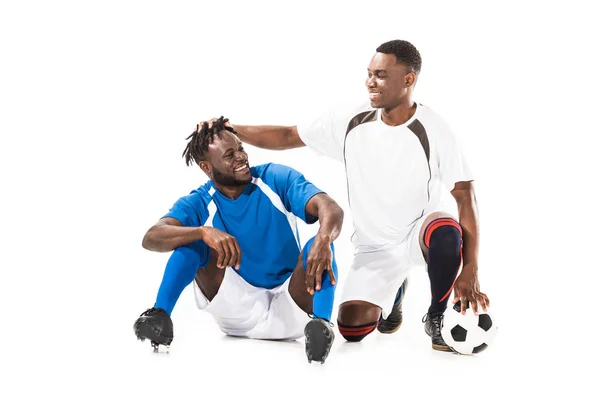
<point>319,259</point>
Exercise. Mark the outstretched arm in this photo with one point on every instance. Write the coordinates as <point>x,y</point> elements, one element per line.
<point>270,137</point>
<point>331,218</point>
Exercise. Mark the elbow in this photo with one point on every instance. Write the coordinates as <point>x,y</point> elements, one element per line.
<point>147,241</point>
<point>291,139</point>
<point>337,212</point>
<point>463,192</point>
<point>333,208</point>
<point>151,241</point>
<point>340,212</point>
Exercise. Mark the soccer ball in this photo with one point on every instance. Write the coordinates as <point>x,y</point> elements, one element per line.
<point>469,333</point>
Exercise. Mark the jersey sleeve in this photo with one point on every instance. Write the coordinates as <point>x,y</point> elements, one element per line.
<point>452,162</point>
<point>325,134</point>
<point>189,210</point>
<point>293,189</point>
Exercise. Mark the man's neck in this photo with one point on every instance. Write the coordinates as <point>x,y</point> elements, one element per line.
<point>399,114</point>
<point>231,192</point>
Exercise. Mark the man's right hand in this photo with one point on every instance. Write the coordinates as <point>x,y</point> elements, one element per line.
<point>225,245</point>
<point>210,123</point>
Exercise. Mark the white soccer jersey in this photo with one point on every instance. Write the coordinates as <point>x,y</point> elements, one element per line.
<point>395,174</point>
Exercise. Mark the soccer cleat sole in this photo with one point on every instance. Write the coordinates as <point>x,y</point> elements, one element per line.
<point>148,331</point>
<point>439,347</point>
<point>382,329</point>
<point>319,340</point>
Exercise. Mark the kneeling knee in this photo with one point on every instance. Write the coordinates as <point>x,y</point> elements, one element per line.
<point>444,236</point>
<point>357,319</point>
<point>356,333</point>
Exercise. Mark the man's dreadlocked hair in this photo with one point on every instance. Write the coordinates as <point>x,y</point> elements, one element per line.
<point>196,149</point>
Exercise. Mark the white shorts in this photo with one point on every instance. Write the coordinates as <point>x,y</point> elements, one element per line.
<point>241,309</point>
<point>377,272</point>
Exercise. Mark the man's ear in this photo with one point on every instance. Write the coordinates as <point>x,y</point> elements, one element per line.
<point>206,167</point>
<point>410,79</point>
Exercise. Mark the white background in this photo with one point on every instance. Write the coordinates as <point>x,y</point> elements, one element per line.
<point>96,99</point>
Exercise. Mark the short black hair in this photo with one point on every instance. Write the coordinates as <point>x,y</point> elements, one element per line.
<point>405,53</point>
<point>197,148</point>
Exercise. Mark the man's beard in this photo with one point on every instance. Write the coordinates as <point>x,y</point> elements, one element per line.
<point>228,180</point>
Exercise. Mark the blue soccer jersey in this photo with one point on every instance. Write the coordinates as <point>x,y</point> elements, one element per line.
<point>262,219</point>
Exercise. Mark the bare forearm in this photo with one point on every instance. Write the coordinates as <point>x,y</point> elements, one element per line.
<point>269,137</point>
<point>331,219</point>
<point>468,218</point>
<point>165,238</point>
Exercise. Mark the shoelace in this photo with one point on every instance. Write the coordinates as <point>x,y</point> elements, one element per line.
<point>437,319</point>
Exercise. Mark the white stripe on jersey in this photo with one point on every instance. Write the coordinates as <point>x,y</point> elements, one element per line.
<point>212,208</point>
<point>277,203</point>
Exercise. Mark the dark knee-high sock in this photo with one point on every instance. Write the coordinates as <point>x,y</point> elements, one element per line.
<point>443,237</point>
<point>322,299</point>
<point>180,271</point>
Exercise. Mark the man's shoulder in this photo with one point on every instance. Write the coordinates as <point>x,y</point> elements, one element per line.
<point>341,110</point>
<point>200,196</point>
<point>350,110</point>
<point>272,170</point>
<point>429,116</point>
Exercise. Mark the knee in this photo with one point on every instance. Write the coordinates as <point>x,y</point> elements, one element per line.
<point>356,333</point>
<point>356,320</point>
<point>444,236</point>
<point>191,255</point>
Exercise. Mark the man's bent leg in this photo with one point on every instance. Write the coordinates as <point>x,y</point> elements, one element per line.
<point>321,304</point>
<point>440,238</point>
<point>357,319</point>
<point>370,289</point>
<point>210,278</point>
<point>318,333</point>
<point>180,271</point>
<point>155,323</point>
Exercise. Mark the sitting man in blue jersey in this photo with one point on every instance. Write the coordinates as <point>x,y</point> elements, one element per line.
<point>245,218</point>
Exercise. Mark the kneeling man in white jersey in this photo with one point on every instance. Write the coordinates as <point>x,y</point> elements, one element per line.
<point>400,156</point>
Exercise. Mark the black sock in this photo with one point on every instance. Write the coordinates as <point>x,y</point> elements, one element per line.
<point>443,237</point>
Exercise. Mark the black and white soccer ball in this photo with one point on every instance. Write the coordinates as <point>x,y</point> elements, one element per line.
<point>469,333</point>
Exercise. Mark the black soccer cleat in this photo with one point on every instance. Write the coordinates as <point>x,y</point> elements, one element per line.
<point>433,328</point>
<point>393,322</point>
<point>155,325</point>
<point>319,338</point>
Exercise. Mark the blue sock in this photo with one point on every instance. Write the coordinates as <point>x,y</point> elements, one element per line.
<point>322,299</point>
<point>180,271</point>
<point>398,296</point>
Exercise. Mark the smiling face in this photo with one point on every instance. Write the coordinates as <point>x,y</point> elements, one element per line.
<point>388,81</point>
<point>227,162</point>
